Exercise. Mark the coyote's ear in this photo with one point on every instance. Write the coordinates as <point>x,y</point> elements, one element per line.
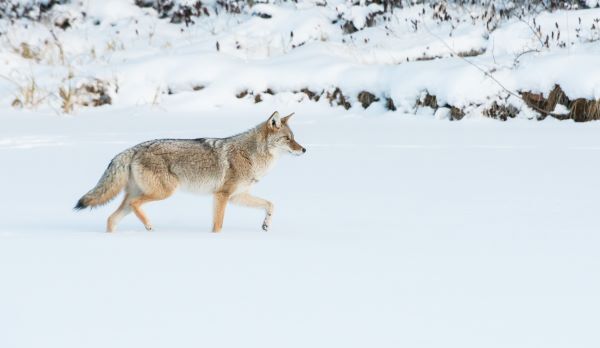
<point>274,122</point>
<point>287,118</point>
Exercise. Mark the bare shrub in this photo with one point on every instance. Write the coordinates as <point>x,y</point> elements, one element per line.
<point>428,100</point>
<point>501,112</point>
<point>583,110</point>
<point>93,92</point>
<point>242,94</point>
<point>366,98</point>
<point>28,94</point>
<point>311,94</point>
<point>33,10</point>
<point>580,110</point>
<point>456,114</point>
<point>185,12</point>
<point>389,104</point>
<point>338,98</point>
<point>26,51</point>
<point>472,53</point>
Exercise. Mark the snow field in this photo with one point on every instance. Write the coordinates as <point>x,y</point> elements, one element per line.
<point>389,231</point>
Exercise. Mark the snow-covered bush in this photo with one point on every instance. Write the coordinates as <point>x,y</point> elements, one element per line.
<point>184,11</point>
<point>30,9</point>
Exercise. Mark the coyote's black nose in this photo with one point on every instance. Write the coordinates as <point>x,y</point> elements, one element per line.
<point>303,150</point>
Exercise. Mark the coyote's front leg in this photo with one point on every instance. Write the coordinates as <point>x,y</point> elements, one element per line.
<point>247,200</point>
<point>219,210</point>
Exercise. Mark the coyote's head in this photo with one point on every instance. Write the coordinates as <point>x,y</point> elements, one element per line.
<point>280,137</point>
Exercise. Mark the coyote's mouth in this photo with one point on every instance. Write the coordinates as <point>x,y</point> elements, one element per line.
<point>298,152</point>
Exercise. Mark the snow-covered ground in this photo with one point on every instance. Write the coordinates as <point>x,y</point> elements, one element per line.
<point>395,229</point>
<point>390,231</point>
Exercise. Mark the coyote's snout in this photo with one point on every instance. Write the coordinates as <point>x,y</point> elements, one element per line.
<point>224,167</point>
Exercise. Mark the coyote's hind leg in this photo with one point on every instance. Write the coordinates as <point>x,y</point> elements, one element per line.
<point>123,210</point>
<point>137,202</point>
<point>154,185</point>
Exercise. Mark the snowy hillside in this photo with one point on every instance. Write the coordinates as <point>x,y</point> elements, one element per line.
<point>344,54</point>
<point>397,228</point>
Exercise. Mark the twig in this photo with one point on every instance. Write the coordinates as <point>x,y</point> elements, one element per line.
<point>516,60</point>
<point>493,48</point>
<point>487,74</point>
<point>535,32</point>
<point>59,45</point>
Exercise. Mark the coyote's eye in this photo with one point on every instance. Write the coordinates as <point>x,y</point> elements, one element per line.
<point>287,138</point>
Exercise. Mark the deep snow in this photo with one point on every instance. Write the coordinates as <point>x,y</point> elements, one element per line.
<point>388,232</point>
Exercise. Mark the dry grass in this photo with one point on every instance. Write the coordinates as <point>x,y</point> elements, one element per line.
<point>556,96</point>
<point>580,110</point>
<point>425,57</point>
<point>366,98</point>
<point>311,94</point>
<point>428,100</point>
<point>26,51</point>
<point>471,53</point>
<point>463,54</point>
<point>28,95</point>
<point>583,110</point>
<point>68,100</point>
<point>114,45</point>
<point>456,114</point>
<point>389,104</point>
<point>61,50</point>
<point>337,97</point>
<point>49,51</point>
<point>501,112</point>
<point>91,93</point>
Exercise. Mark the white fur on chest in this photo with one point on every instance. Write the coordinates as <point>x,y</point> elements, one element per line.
<point>256,174</point>
<point>205,186</point>
<point>262,169</point>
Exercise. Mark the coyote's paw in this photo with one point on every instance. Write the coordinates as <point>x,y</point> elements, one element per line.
<point>265,226</point>
<point>148,227</point>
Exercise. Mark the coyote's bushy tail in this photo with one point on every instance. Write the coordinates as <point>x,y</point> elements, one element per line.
<point>110,184</point>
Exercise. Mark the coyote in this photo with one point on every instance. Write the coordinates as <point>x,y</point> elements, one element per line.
<point>226,168</point>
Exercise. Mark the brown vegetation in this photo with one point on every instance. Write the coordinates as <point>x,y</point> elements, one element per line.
<point>366,98</point>
<point>389,104</point>
<point>428,100</point>
<point>337,97</point>
<point>501,112</point>
<point>580,110</point>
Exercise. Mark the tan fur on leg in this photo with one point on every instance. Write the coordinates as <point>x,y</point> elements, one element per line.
<point>247,200</point>
<point>219,210</point>
<point>119,214</point>
<point>136,206</point>
<point>152,187</point>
